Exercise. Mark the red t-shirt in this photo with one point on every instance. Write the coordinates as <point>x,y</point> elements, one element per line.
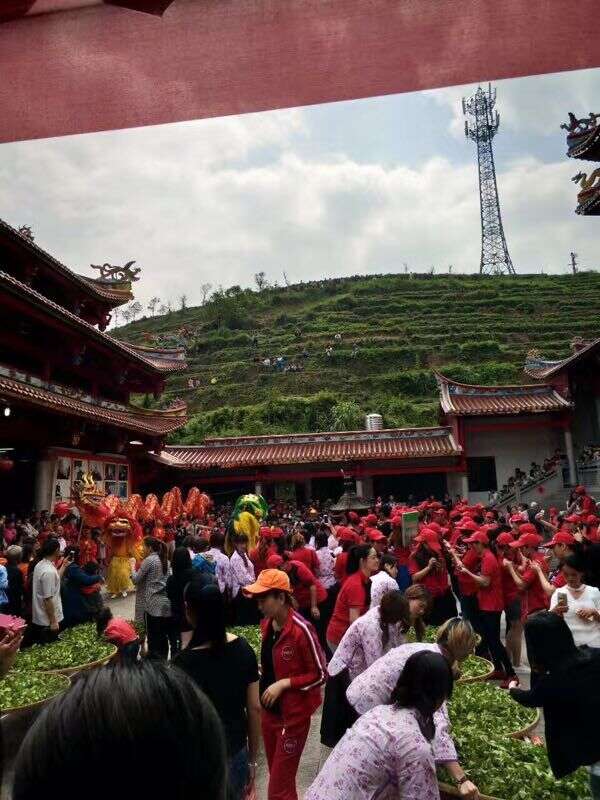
<point>535,596</point>
<point>308,557</point>
<point>436,581</point>
<point>339,568</point>
<point>509,587</point>
<point>306,579</point>
<point>353,594</point>
<point>558,580</point>
<point>402,555</point>
<point>466,584</point>
<point>490,597</point>
<point>120,632</point>
<point>260,564</point>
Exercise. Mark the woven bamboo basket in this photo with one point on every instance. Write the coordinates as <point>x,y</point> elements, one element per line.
<point>69,671</point>
<point>28,707</point>
<point>526,730</point>
<point>479,678</point>
<point>447,790</point>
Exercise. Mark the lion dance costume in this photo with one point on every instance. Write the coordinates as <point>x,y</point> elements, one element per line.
<point>122,533</point>
<point>246,517</point>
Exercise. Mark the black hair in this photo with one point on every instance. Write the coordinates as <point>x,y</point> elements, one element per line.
<point>393,609</point>
<point>159,548</point>
<point>205,602</point>
<point>356,554</point>
<point>180,561</point>
<point>103,617</point>
<point>217,540</point>
<point>321,539</point>
<point>49,548</point>
<point>91,568</point>
<point>137,712</point>
<point>424,684</point>
<point>576,561</point>
<point>387,560</point>
<point>549,641</point>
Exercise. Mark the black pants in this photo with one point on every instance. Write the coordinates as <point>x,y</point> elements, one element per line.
<point>490,628</point>
<point>470,611</point>
<point>443,609</point>
<point>157,631</point>
<point>128,654</point>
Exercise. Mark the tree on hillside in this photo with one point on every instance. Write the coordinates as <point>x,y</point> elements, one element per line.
<point>347,415</point>
<point>115,316</point>
<point>135,309</point>
<point>162,310</point>
<point>205,289</point>
<point>126,314</point>
<point>260,278</point>
<point>153,304</point>
<point>183,302</point>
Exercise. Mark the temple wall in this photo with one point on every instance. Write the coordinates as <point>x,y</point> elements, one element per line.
<point>511,449</point>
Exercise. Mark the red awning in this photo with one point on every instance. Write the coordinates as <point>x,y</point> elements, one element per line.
<point>95,66</point>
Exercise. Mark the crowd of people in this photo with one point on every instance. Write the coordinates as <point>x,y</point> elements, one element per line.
<point>337,596</point>
<point>522,480</point>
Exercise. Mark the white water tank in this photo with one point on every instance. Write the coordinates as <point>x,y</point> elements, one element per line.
<point>374,422</point>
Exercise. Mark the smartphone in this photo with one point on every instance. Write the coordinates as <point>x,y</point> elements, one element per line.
<point>562,599</point>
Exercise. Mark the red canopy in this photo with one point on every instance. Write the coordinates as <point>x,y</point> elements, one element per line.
<point>92,65</point>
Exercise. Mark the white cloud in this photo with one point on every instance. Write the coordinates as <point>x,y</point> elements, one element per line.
<point>219,200</point>
<point>534,105</point>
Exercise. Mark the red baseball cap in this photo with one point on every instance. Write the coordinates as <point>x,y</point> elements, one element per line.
<point>561,537</point>
<point>528,540</point>
<point>527,527</point>
<point>353,516</point>
<point>580,490</point>
<point>430,538</point>
<point>370,520</point>
<point>374,535</point>
<point>274,561</point>
<point>505,538</point>
<point>433,526</point>
<point>478,536</point>
<point>346,535</point>
<point>574,519</point>
<point>467,525</point>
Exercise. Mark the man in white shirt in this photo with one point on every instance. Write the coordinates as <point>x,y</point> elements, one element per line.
<point>46,605</point>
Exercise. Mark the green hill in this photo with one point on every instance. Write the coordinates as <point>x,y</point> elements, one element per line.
<point>476,330</point>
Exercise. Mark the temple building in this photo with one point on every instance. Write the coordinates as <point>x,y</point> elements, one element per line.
<point>485,434</point>
<point>66,385</point>
<point>583,142</point>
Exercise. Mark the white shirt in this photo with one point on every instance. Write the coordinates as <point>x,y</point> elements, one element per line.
<point>46,585</point>
<point>583,632</point>
<point>381,584</point>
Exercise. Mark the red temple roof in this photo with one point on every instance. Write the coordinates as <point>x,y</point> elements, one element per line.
<point>466,400</point>
<point>164,358</point>
<point>103,291</point>
<point>132,353</point>
<point>583,137</point>
<point>541,369</point>
<point>19,387</point>
<point>304,448</point>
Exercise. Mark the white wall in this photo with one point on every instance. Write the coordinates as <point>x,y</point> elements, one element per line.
<point>511,449</point>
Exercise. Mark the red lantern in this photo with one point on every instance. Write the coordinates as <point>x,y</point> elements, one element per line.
<point>6,464</point>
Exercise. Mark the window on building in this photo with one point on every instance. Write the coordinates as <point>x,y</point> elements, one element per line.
<point>482,474</point>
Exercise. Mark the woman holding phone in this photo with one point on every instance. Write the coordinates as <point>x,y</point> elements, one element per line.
<point>578,604</point>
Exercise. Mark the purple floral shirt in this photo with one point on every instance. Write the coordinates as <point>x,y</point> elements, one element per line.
<point>374,686</point>
<point>381,583</point>
<point>326,564</point>
<point>240,573</point>
<point>385,748</point>
<point>222,568</point>
<point>362,645</point>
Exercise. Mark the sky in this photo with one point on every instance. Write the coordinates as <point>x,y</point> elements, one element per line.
<point>357,187</point>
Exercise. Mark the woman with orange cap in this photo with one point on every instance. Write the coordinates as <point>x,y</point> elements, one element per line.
<point>292,671</point>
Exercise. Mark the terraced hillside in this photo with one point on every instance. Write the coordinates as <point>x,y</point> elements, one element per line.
<point>394,329</point>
